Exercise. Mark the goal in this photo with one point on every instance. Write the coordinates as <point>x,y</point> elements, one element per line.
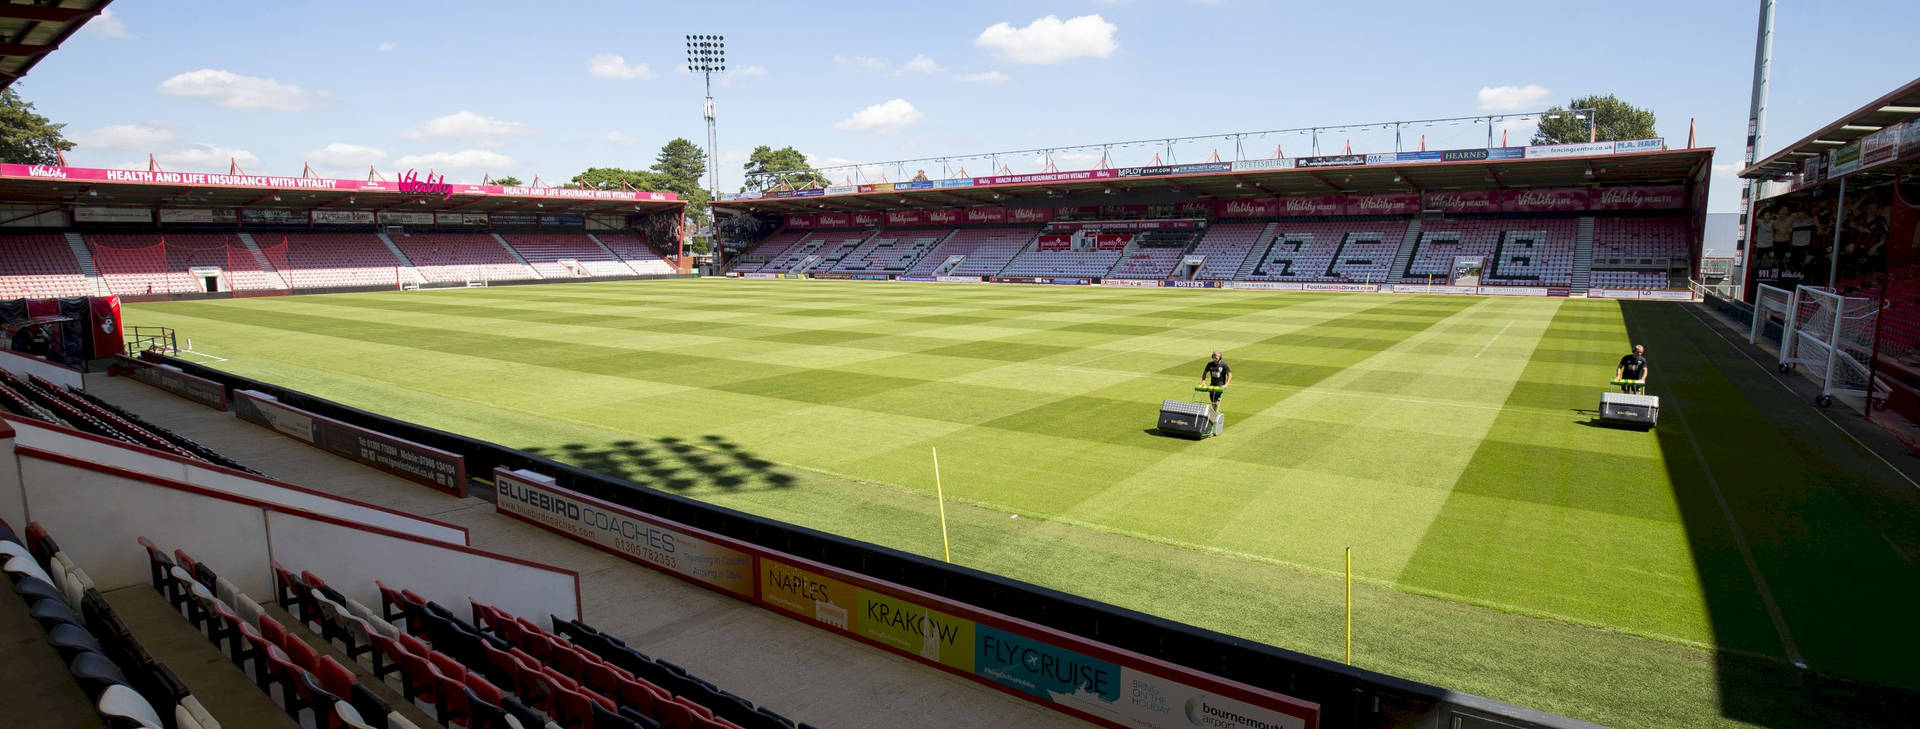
<point>1831,336</point>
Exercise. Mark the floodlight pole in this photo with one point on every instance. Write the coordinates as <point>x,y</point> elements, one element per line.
<point>707,54</point>
<point>1756,126</point>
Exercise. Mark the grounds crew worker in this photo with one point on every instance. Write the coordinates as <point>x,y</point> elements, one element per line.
<point>1633,367</point>
<point>1217,374</point>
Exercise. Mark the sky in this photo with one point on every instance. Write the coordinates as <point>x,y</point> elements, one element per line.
<point>549,89</point>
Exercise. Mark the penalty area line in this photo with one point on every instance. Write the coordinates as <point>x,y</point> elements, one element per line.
<point>1496,338</point>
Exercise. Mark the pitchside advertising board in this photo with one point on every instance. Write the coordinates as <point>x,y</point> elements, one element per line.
<point>1063,672</point>
<point>409,460</point>
<point>170,378</point>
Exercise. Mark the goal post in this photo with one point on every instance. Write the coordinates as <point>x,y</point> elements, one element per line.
<point>1771,307</point>
<point>1832,336</point>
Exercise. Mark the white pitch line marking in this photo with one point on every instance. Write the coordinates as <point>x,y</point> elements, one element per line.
<point>1496,338</point>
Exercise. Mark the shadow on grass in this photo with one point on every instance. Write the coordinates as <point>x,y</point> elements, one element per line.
<point>710,464</point>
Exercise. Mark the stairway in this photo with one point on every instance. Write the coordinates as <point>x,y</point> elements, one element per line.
<point>1405,257</point>
<point>1031,243</point>
<point>408,272</point>
<point>1583,256</point>
<point>516,254</point>
<point>1257,252</point>
<point>930,249</point>
<point>266,266</point>
<point>95,284</point>
<point>610,254</point>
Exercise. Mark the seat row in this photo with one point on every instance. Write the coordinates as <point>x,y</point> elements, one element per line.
<point>127,687</point>
<point>71,407</point>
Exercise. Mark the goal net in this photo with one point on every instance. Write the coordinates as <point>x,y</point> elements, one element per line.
<point>1832,337</point>
<point>1771,310</point>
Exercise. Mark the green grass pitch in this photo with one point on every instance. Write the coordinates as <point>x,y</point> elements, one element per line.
<point>1503,545</point>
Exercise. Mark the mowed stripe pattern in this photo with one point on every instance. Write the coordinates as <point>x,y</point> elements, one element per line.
<point>1446,438</point>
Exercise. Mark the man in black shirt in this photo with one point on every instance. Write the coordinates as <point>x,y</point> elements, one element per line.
<point>1633,367</point>
<point>1217,374</point>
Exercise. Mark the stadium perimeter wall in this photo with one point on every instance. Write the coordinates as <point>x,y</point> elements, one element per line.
<point>1346,697</point>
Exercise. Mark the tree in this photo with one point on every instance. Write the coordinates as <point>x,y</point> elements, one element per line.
<point>508,181</point>
<point>768,167</point>
<point>683,162</point>
<point>611,178</point>
<point>28,138</point>
<point>1614,120</point>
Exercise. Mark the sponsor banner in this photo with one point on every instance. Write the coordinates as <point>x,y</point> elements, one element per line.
<point>1110,242</point>
<point>448,219</point>
<point>1145,171</point>
<point>756,275</point>
<point>1425,289</point>
<point>1471,155</point>
<point>1190,284</point>
<point>170,378</point>
<point>1040,280</point>
<point>984,215</point>
<point>868,277</point>
<point>916,278</point>
<point>906,217</point>
<point>273,216</point>
<point>881,187</point>
<point>959,279</point>
<point>1341,287</point>
<point>1560,291</point>
<point>343,217</point>
<point>1311,205</point>
<point>1880,147</point>
<point>868,220</point>
<point>1547,151</point>
<point>801,221</point>
<point>1388,203</point>
<point>1264,207</point>
<point>1255,165</point>
<point>407,218</point>
<point>626,532</point>
<point>815,192</point>
<point>569,221</point>
<point>1029,215</point>
<point>1107,225</point>
<point>1041,670</point>
<point>507,219</point>
<point>915,630</point>
<point>1336,160</point>
<point>93,214</point>
<point>1674,295</point>
<point>433,185</point>
<point>833,275</point>
<point>1612,294</point>
<point>1202,167</point>
<point>945,216</point>
<point>1267,285</point>
<point>1420,157</point>
<point>1512,291</point>
<point>1544,200</point>
<point>1466,201</point>
<point>808,594</point>
<point>790,276</point>
<point>1067,281</point>
<point>1646,197</point>
<point>1382,158</point>
<point>409,460</point>
<point>961,182</point>
<point>197,215</point>
<point>1639,145</point>
<point>834,220</point>
<point>913,185</point>
<point>1053,242</point>
<point>842,189</point>
<point>1080,176</point>
<point>1131,282</point>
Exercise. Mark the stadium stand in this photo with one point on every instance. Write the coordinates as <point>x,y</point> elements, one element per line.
<point>1629,280</point>
<point>1353,250</point>
<point>40,267</point>
<point>1156,254</point>
<point>985,251</point>
<point>891,253</point>
<point>1519,251</point>
<point>834,248</point>
<point>71,407</point>
<point>136,265</point>
<point>635,253</point>
<point>769,248</point>
<point>1089,263</point>
<point>546,252</point>
<point>125,684</point>
<point>1224,247</point>
<point>454,257</point>
<point>1637,252</point>
<point>324,260</point>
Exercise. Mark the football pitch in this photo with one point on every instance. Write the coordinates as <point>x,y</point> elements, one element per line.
<point>1502,543</point>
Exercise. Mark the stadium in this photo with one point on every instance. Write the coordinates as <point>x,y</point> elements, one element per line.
<point>871,445</point>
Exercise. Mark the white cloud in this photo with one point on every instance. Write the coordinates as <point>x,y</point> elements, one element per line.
<point>608,65</point>
<point>202,156</point>
<point>235,91</point>
<point>621,138</point>
<point>107,24</point>
<point>386,47</point>
<point>466,126</point>
<point>123,136</point>
<point>343,157</point>
<point>1531,97</point>
<point>862,63</point>
<point>464,164</point>
<point>1050,40</point>
<point>753,70</point>
<point>882,118</point>
<point>919,64</point>
<point>987,77</point>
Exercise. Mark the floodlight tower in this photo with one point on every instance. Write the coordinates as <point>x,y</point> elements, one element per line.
<point>707,54</point>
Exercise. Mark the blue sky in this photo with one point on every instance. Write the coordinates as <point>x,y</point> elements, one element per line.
<point>550,89</point>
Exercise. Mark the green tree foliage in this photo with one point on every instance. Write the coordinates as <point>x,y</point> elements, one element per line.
<point>683,162</point>
<point>768,167</point>
<point>509,181</point>
<point>26,137</point>
<point>1614,118</point>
